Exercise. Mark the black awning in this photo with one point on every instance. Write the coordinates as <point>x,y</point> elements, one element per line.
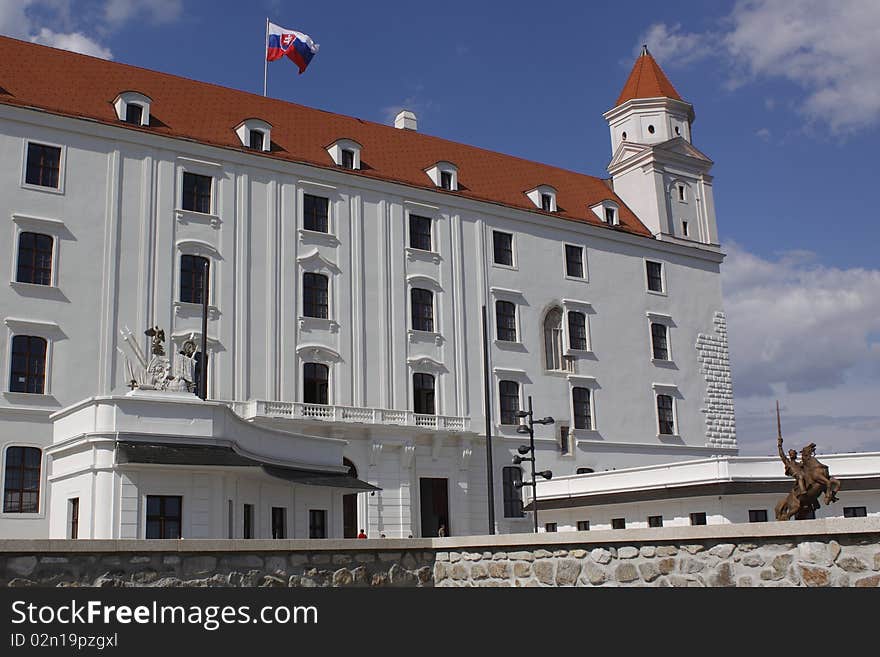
<point>310,478</point>
<point>130,451</point>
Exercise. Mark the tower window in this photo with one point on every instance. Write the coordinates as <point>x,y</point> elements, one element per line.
<point>655,521</point>
<point>665,415</point>
<point>164,516</point>
<point>423,394</point>
<point>659,344</point>
<point>855,512</point>
<point>624,136</point>
<point>618,523</point>
<point>583,525</point>
<point>758,515</point>
<point>677,130</point>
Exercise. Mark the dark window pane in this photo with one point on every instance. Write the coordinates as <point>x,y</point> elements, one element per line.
<point>134,114</point>
<point>446,180</point>
<point>610,213</point>
<point>257,140</point>
<point>34,259</point>
<point>317,523</point>
<point>164,516</point>
<point>546,202</point>
<point>855,512</point>
<point>577,330</point>
<point>505,321</point>
<point>502,248</point>
<point>43,165</point>
<point>760,515</point>
<point>28,370</point>
<point>423,394</point>
<point>618,523</point>
<point>21,488</point>
<point>550,527</point>
<point>248,519</point>
<point>658,341</point>
<point>698,518</point>
<point>508,392</point>
<point>665,415</point>
<point>581,401</point>
<point>655,276</point>
<point>194,274</point>
<point>197,192</point>
<point>420,232</point>
<point>655,521</point>
<point>574,261</point>
<point>315,213</point>
<point>347,158</point>
<point>422,309</point>
<point>315,383</point>
<point>513,505</point>
<point>583,525</point>
<point>279,522</point>
<point>316,299</point>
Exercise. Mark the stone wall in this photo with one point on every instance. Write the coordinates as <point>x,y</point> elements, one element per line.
<point>714,358</point>
<point>831,552</point>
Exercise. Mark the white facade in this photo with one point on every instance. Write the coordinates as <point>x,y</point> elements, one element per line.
<point>119,231</point>
<point>725,489</point>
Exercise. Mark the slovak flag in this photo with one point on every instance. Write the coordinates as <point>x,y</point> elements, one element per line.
<point>297,46</point>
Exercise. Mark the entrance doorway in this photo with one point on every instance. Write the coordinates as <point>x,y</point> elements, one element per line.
<point>434,497</point>
<point>350,506</point>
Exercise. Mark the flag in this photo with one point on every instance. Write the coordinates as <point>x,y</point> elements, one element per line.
<point>297,46</point>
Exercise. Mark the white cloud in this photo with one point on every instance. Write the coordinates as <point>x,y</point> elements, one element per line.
<point>828,49</point>
<point>14,20</point>
<point>763,133</point>
<point>157,11</point>
<point>75,42</point>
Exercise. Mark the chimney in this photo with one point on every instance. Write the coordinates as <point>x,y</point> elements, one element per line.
<point>406,120</point>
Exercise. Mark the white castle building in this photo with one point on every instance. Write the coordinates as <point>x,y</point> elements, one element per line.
<point>348,264</point>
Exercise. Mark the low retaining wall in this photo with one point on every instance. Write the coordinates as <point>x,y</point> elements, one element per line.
<point>832,552</point>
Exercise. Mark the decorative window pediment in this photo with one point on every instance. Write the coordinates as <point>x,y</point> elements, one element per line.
<point>133,107</point>
<point>544,197</point>
<point>255,134</point>
<point>444,175</point>
<point>315,262</point>
<point>318,353</point>
<point>426,364</point>
<point>346,153</point>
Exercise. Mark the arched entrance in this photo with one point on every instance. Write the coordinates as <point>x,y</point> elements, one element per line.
<point>349,506</point>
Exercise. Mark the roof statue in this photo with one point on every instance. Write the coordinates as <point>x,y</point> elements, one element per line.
<point>811,480</point>
<point>157,372</point>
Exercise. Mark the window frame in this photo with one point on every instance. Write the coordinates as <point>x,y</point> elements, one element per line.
<point>62,166</point>
<point>283,522</point>
<point>326,383</point>
<point>430,324</point>
<point>511,495</point>
<point>51,228</point>
<point>855,511</point>
<point>662,277</point>
<point>755,515</point>
<point>655,521</point>
<point>73,518</point>
<point>656,347</point>
<point>669,323</point>
<point>583,261</point>
<point>45,371</point>
<point>318,527</point>
<point>586,327</point>
<point>433,397</point>
<point>583,525</point>
<point>303,306</point>
<point>657,395</point>
<point>513,259</point>
<point>248,521</point>
<point>499,328</point>
<point>21,488</point>
<point>212,200</point>
<point>591,426</point>
<point>19,235</point>
<point>620,522</point>
<point>326,219</point>
<point>413,218</point>
<point>698,519</point>
<point>162,517</point>
<point>194,275</point>
<point>502,396</point>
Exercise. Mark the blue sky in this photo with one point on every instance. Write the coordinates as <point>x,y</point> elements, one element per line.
<point>787,104</point>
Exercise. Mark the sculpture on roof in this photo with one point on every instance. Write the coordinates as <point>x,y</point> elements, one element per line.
<point>811,480</point>
<point>157,371</point>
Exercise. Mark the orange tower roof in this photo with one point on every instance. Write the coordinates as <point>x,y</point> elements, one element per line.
<point>647,80</point>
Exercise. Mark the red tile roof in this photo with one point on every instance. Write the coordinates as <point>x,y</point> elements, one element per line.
<point>647,80</point>
<point>80,86</point>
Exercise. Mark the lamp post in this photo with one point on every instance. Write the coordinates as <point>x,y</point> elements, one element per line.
<point>529,428</point>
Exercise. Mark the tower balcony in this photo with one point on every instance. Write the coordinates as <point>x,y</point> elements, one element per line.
<point>256,409</point>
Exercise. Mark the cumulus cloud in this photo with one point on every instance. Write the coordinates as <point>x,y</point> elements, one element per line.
<point>829,50</point>
<point>798,324</point>
<point>75,42</point>
<point>157,11</point>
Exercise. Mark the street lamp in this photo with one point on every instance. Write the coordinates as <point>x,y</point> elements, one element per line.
<point>527,426</point>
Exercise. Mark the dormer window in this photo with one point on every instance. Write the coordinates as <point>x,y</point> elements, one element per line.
<point>444,175</point>
<point>608,212</point>
<point>133,107</point>
<point>544,197</point>
<point>255,134</point>
<point>346,153</point>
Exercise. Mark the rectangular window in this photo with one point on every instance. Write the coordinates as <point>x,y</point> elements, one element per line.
<point>618,523</point>
<point>347,158</point>
<point>21,487</point>
<point>564,440</point>
<point>422,309</point>
<point>659,345</point>
<point>134,113</point>
<point>855,512</point>
<point>43,165</point>
<point>248,521</point>
<point>73,517</point>
<point>511,487</point>
<point>757,515</point>
<point>583,525</point>
<point>610,215</point>
<point>279,522</point>
<point>505,321</point>
<point>655,521</point>
<point>681,195</point>
<point>546,203</point>
<point>315,383</point>
<point>230,519</point>
<point>502,248</point>
<point>508,392</point>
<point>28,371</point>
<point>423,393</point>
<point>446,180</point>
<point>164,516</point>
<point>197,192</point>
<point>574,261</point>
<point>316,299</point>
<point>577,330</point>
<point>580,399</point>
<point>698,518</point>
<point>34,259</point>
<point>317,523</point>
<point>665,415</point>
<point>655,276</point>
<point>420,232</point>
<point>194,275</point>
<point>550,527</point>
<point>256,140</point>
<point>316,213</point>
<point>684,228</point>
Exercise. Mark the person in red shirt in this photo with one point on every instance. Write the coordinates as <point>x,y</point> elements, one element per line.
<point>362,534</point>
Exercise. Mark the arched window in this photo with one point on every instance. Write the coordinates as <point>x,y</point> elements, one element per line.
<point>28,371</point>
<point>315,383</point>
<point>21,490</point>
<point>423,393</point>
<point>194,276</point>
<point>422,309</point>
<point>315,295</point>
<point>553,340</point>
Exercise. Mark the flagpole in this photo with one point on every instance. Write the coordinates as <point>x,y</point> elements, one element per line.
<point>266,59</point>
